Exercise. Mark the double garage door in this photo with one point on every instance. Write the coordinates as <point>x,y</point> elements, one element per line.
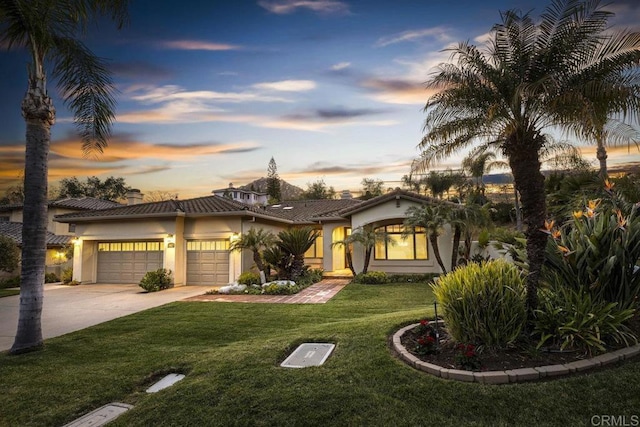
<point>208,262</point>
<point>127,262</point>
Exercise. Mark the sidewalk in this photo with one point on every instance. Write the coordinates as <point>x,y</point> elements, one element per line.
<point>318,293</point>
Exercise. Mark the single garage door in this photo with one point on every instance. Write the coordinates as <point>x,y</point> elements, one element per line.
<point>207,262</point>
<point>127,262</point>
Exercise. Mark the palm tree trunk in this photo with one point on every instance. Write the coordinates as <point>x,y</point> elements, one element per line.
<point>601,154</point>
<point>525,165</point>
<point>349,257</point>
<point>456,244</point>
<point>257,259</point>
<point>517,207</point>
<point>433,238</point>
<point>39,115</point>
<point>367,259</point>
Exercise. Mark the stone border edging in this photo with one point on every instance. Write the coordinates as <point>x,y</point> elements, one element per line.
<point>509,376</point>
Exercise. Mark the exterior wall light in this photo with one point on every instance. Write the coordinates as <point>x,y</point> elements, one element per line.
<point>234,237</point>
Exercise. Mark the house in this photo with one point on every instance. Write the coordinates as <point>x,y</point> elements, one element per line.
<point>249,197</point>
<point>192,237</point>
<point>58,234</point>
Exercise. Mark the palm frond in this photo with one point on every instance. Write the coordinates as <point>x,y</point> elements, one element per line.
<point>87,90</point>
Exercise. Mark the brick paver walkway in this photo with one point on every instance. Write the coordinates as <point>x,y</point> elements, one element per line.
<point>318,293</point>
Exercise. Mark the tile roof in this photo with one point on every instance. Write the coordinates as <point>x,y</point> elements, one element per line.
<point>311,210</point>
<point>79,203</point>
<point>298,211</point>
<point>200,205</point>
<point>14,230</point>
<point>398,193</point>
<point>85,203</point>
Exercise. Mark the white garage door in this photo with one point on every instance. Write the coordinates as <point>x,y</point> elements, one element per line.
<point>207,262</point>
<point>127,262</point>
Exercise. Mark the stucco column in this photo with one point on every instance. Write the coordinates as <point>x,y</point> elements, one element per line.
<point>77,259</point>
<point>235,261</point>
<point>169,257</point>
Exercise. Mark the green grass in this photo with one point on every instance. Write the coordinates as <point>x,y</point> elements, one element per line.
<point>9,292</point>
<point>231,351</point>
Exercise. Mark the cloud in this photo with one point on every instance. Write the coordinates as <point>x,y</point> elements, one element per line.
<point>439,33</point>
<point>340,66</point>
<point>397,91</point>
<point>166,93</point>
<point>124,147</point>
<point>484,38</point>
<point>287,85</point>
<point>321,119</point>
<point>323,7</point>
<point>197,45</point>
<point>136,70</point>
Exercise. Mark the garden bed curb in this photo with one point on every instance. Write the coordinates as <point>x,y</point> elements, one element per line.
<point>509,376</point>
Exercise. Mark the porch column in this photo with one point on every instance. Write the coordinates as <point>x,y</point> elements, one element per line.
<point>77,259</point>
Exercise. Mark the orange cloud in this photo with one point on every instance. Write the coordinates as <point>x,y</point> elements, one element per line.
<point>198,45</point>
<point>123,147</point>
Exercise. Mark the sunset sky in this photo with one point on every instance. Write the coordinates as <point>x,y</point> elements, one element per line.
<point>209,91</point>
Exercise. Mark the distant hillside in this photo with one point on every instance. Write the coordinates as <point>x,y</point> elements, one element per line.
<point>288,191</point>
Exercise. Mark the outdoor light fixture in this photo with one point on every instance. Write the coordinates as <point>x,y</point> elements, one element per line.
<point>234,237</point>
<point>75,241</point>
<point>171,241</point>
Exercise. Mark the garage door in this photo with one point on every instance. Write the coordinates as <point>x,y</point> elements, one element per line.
<point>207,262</point>
<point>127,262</point>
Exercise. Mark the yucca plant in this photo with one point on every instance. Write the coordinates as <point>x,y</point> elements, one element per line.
<point>483,303</point>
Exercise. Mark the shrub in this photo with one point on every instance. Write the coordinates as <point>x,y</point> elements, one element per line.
<point>67,275</point>
<point>283,287</point>
<point>51,278</point>
<point>9,254</point>
<point>156,280</point>
<point>573,319</point>
<point>249,278</point>
<point>11,282</point>
<point>411,278</point>
<point>597,252</point>
<point>371,278</point>
<point>483,303</point>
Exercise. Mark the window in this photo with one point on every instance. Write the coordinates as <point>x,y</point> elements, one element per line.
<point>72,228</point>
<point>315,251</point>
<point>130,246</point>
<point>208,245</point>
<point>398,247</point>
<point>4,219</point>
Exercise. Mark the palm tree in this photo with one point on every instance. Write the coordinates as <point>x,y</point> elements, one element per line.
<point>256,241</point>
<point>433,219</point>
<point>368,237</point>
<point>465,219</point>
<point>50,31</point>
<point>347,244</point>
<point>529,78</point>
<point>480,162</point>
<point>296,242</point>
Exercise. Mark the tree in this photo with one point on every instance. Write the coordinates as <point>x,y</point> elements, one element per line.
<point>367,237</point>
<point>371,188</point>
<point>273,182</point>
<point>347,244</point>
<point>50,32</point>
<point>528,78</point>
<point>433,219</point>
<point>318,190</point>
<point>159,196</point>
<point>256,241</point>
<point>110,189</point>
<point>9,254</point>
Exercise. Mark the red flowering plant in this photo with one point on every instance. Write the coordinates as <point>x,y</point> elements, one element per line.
<point>467,358</point>
<point>426,341</point>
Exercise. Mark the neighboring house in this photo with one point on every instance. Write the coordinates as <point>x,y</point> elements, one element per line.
<point>58,234</point>
<point>248,197</point>
<point>192,237</point>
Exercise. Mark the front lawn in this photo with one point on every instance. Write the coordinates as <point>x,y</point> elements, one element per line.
<point>9,292</point>
<point>231,351</point>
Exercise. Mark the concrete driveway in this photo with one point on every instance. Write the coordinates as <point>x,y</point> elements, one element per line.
<point>71,308</point>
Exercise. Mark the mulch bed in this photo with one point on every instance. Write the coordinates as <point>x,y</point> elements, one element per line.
<point>514,358</point>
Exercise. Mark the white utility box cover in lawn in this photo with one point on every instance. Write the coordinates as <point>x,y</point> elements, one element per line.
<point>308,354</point>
